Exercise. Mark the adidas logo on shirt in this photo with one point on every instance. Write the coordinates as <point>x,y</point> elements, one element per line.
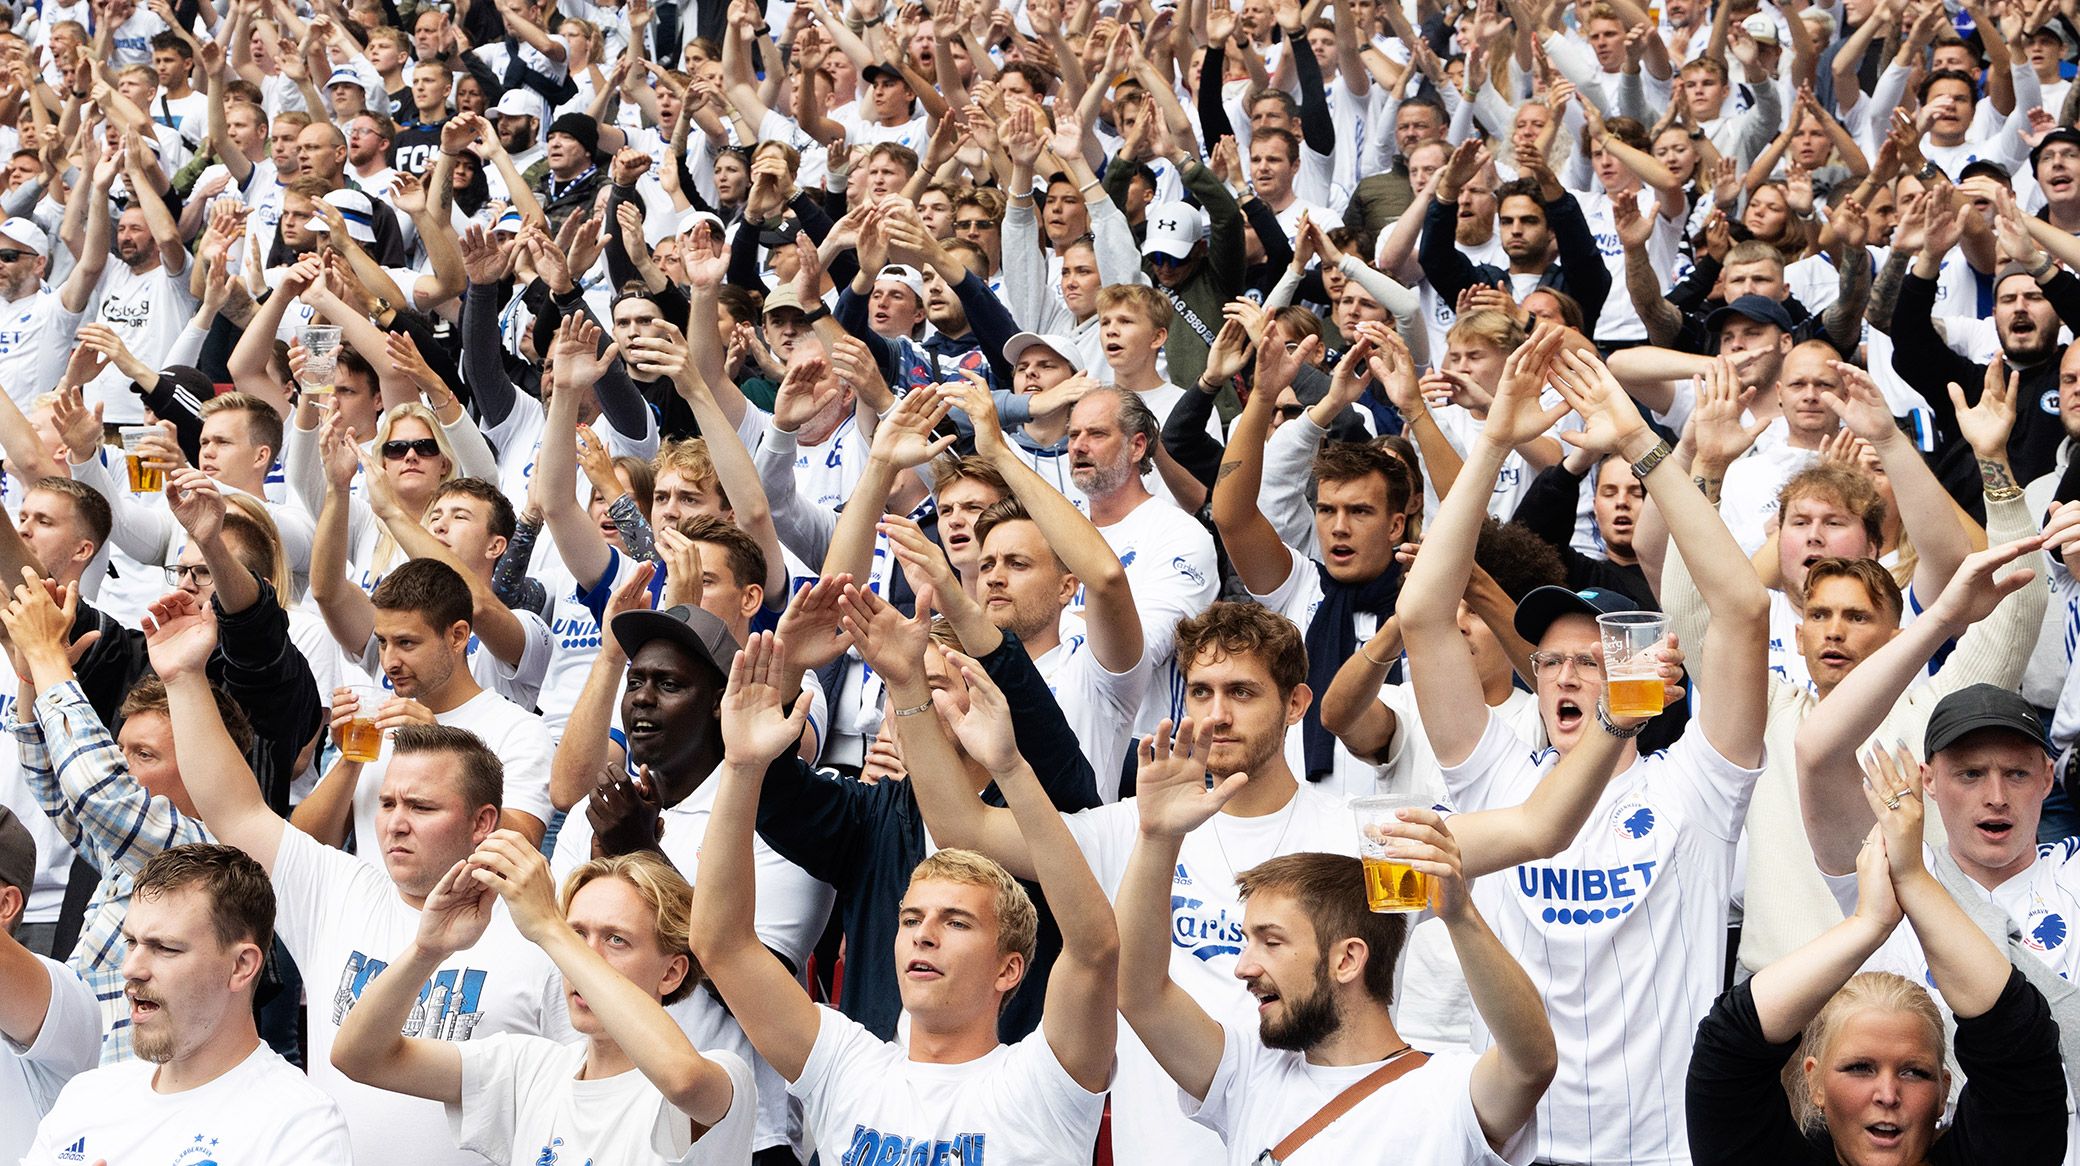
<point>76,1152</point>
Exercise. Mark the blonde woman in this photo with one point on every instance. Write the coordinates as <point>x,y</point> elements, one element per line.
<point>1870,1083</point>
<point>633,1090</point>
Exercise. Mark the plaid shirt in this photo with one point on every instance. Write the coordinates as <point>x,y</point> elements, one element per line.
<point>110,820</point>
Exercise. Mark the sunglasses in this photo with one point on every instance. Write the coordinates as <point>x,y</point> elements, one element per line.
<point>425,447</point>
<point>1291,412</point>
<point>973,224</point>
<point>14,256</point>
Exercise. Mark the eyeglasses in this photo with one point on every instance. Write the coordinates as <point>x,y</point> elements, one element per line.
<point>13,256</point>
<point>175,575</point>
<point>973,224</point>
<point>424,447</point>
<point>1585,663</point>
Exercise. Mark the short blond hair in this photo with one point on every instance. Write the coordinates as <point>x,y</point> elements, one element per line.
<point>1018,923</point>
<point>689,459</point>
<point>668,894</point>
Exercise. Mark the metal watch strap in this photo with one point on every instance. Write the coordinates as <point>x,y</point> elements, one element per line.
<point>1654,457</point>
<point>1604,722</point>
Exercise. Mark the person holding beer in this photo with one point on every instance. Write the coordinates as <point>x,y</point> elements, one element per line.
<point>1642,889</point>
<point>1320,967</point>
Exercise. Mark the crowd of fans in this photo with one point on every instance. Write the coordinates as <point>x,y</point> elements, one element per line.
<point>625,581</point>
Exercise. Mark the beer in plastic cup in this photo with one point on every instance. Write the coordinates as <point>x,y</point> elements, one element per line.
<point>144,479</point>
<point>361,740</point>
<point>1631,663</point>
<point>1391,884</point>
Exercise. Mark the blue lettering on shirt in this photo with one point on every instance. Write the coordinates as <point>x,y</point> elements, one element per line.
<point>1615,888</point>
<point>1204,935</point>
<point>874,1148</point>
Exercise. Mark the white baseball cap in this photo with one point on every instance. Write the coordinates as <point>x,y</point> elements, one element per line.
<point>1763,28</point>
<point>909,277</point>
<point>355,208</point>
<point>520,102</point>
<point>1174,228</point>
<point>27,233</point>
<point>1061,346</point>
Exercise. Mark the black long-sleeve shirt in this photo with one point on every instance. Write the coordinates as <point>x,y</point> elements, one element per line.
<point>865,840</point>
<point>1579,271</point>
<point>1548,510</point>
<point>2012,1110</point>
<point>255,663</point>
<point>1926,363</point>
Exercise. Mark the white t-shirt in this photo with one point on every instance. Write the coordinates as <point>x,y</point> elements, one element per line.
<point>866,1101</point>
<point>523,1103</point>
<point>1205,942</point>
<point>1623,932</point>
<point>516,735</point>
<point>148,310</point>
<point>1433,1010</point>
<point>791,910</point>
<point>35,342</point>
<point>1099,704</point>
<point>68,1044</point>
<point>1259,1095</point>
<point>343,921</point>
<point>1174,574</point>
<point>259,1113</point>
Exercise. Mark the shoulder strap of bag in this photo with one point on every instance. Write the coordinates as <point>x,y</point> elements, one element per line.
<point>1343,1102</point>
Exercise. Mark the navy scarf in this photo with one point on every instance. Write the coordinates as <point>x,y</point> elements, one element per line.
<point>1332,636</point>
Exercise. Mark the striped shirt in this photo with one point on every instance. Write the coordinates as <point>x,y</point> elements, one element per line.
<point>77,772</point>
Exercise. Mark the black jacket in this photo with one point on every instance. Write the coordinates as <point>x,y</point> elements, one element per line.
<point>1580,270</point>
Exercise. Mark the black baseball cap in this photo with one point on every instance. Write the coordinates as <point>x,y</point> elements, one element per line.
<point>2066,134</point>
<point>1761,309</point>
<point>699,632</point>
<point>1980,706</point>
<point>1545,604</point>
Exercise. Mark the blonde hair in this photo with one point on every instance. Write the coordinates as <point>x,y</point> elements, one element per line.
<point>268,549</point>
<point>689,459</point>
<point>668,894</point>
<point>386,546</point>
<point>1018,923</point>
<point>1866,992</point>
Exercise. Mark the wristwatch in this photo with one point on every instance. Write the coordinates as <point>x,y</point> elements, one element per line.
<point>1929,171</point>
<point>1654,457</point>
<point>1604,722</point>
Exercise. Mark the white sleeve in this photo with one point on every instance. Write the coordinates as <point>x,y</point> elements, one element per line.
<point>1714,790</point>
<point>501,1074</point>
<point>1501,771</point>
<point>68,1044</point>
<point>1288,468</point>
<point>526,753</point>
<point>140,531</point>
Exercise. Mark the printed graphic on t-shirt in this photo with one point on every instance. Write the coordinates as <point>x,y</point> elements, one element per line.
<point>449,1006</point>
<point>874,1148</point>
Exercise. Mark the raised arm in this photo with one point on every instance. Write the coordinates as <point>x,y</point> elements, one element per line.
<point>370,1046</point>
<point>1736,640</point>
<point>1448,685</point>
<point>1830,782</point>
<point>349,614</point>
<point>1171,793</point>
<point>762,994</point>
<point>894,646</point>
<point>1113,623</point>
<point>1081,1015</point>
<point>509,863</point>
<point>180,636</point>
<point>1260,558</point>
<point>1925,509</point>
